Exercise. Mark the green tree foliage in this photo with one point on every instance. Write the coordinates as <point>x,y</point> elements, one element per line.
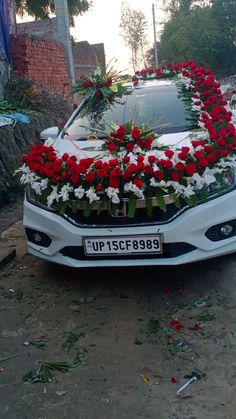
<point>201,31</point>
<point>133,30</point>
<point>41,9</point>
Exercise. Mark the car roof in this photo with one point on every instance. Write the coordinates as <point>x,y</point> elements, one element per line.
<point>149,84</point>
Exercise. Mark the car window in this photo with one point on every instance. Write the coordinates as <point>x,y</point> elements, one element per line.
<point>159,107</point>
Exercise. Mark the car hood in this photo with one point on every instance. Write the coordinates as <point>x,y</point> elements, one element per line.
<point>84,149</point>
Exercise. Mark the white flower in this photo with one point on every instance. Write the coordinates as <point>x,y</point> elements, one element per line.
<point>79,192</point>
<point>54,196</point>
<point>97,72</point>
<point>189,191</point>
<point>65,191</point>
<point>130,187</point>
<point>28,177</point>
<point>38,187</point>
<point>91,195</point>
<point>50,142</point>
<point>112,193</point>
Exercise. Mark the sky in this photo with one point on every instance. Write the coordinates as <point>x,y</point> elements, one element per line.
<point>101,25</point>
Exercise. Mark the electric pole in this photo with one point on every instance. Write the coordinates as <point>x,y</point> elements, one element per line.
<point>63,32</point>
<point>155,39</point>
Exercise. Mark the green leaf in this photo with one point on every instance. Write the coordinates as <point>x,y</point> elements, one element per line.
<point>71,339</point>
<point>87,209</point>
<point>132,206</point>
<point>153,327</point>
<point>44,373</point>
<point>160,199</point>
<point>149,206</point>
<point>62,207</point>
<point>192,200</point>
<point>5,358</point>
<point>113,208</point>
<point>80,359</point>
<point>176,201</point>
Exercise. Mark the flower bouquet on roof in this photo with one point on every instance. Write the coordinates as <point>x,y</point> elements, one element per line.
<point>103,86</point>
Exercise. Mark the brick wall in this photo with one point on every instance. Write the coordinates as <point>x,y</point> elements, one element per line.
<point>42,60</point>
<point>87,57</point>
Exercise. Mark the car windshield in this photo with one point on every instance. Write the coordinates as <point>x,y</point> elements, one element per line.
<point>157,106</point>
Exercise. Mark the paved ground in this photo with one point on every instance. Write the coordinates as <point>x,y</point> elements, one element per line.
<point>114,329</point>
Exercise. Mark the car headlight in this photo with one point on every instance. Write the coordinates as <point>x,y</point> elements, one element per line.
<point>33,198</point>
<point>226,182</point>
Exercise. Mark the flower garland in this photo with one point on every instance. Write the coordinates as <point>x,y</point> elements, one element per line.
<point>132,163</point>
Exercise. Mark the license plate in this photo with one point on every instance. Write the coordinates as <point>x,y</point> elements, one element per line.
<point>126,245</point>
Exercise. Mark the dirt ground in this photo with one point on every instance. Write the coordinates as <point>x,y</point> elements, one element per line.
<point>130,339</point>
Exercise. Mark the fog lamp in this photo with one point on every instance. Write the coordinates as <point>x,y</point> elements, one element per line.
<point>227,229</point>
<point>37,238</point>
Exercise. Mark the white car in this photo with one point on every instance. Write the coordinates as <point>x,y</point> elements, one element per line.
<point>178,235</point>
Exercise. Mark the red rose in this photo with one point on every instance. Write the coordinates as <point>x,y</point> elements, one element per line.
<point>148,170</point>
<point>111,147</point>
<point>140,165</point>
<point>159,175</point>
<point>169,153</point>
<point>98,93</point>
<point>136,134</point>
<point>64,176</point>
<point>198,154</point>
<point>190,169</point>
<point>65,157</point>
<point>121,131</point>
<point>129,147</point>
<point>175,324</point>
<point>151,159</point>
<point>221,142</point>
<point>75,179</point>
<point>180,167</point>
<point>138,182</point>
<point>74,106</point>
<point>99,187</point>
<point>101,173</point>
<point>126,159</point>
<point>89,177</point>
<point>203,162</point>
<point>113,162</point>
<point>108,82</point>
<point>98,164</point>
<point>114,183</point>
<point>175,176</point>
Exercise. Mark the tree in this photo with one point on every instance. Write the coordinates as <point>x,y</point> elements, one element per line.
<point>133,29</point>
<point>41,9</point>
<point>205,34</point>
<point>224,12</point>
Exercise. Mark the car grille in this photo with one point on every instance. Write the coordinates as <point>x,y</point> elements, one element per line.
<point>170,250</point>
<point>104,219</point>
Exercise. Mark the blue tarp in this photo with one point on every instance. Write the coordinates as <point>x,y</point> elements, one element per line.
<point>4,32</point>
<point>17,117</point>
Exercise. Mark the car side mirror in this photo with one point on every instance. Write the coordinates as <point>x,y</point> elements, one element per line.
<point>51,132</point>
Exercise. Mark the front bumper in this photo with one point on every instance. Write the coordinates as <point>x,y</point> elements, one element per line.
<point>184,238</point>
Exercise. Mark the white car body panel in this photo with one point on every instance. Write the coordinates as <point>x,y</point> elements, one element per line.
<point>189,227</point>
